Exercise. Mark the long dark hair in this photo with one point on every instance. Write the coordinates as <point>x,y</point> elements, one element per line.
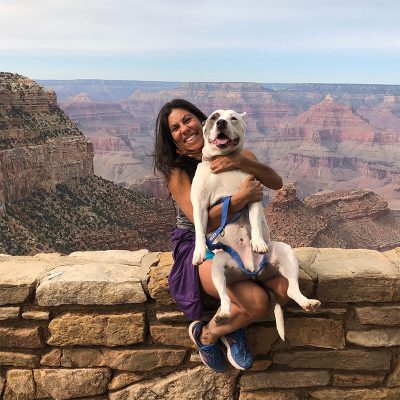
<point>165,157</point>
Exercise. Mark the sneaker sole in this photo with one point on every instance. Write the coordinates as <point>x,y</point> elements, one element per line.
<point>229,354</point>
<point>194,340</point>
<point>190,331</point>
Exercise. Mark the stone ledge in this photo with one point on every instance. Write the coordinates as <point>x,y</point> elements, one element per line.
<point>361,275</point>
<point>96,277</point>
<point>18,278</point>
<point>119,277</point>
<point>108,317</point>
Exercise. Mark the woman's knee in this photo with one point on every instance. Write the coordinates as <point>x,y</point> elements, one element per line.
<point>259,308</point>
<point>252,301</point>
<point>206,282</point>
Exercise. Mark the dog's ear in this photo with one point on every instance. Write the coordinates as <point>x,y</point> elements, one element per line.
<point>243,114</point>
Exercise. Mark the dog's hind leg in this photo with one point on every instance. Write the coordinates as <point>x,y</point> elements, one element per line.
<point>289,269</point>
<point>258,228</point>
<point>219,264</point>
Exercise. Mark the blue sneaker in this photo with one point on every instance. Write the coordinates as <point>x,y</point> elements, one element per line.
<point>237,351</point>
<point>211,355</point>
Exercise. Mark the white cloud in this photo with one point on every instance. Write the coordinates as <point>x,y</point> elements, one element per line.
<point>124,26</point>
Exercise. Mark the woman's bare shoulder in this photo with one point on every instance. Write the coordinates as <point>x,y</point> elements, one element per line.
<point>177,179</point>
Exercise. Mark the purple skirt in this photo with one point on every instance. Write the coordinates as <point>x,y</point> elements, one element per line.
<point>184,281</point>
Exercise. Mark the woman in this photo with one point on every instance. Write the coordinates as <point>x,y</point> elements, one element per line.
<point>178,144</point>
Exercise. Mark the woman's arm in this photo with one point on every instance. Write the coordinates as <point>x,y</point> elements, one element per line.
<point>247,162</point>
<point>179,186</point>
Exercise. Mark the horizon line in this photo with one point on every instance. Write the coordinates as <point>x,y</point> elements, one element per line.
<point>201,81</point>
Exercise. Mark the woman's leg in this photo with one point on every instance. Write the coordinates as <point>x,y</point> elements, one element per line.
<point>279,285</point>
<point>249,303</point>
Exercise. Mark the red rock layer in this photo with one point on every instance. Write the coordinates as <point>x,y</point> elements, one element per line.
<point>262,105</point>
<point>329,120</point>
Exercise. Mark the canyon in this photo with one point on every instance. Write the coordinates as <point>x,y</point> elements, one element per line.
<point>52,200</point>
<point>320,137</point>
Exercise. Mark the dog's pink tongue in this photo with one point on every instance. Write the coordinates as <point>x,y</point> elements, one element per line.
<point>222,141</point>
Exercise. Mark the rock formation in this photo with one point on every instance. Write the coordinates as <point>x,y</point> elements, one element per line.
<point>385,115</point>
<point>332,147</point>
<point>39,146</point>
<point>352,219</point>
<point>153,185</point>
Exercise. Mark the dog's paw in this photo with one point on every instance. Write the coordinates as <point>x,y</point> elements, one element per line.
<point>311,305</point>
<point>199,255</point>
<point>259,246</point>
<point>222,318</point>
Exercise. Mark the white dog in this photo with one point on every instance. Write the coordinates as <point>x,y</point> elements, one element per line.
<point>249,236</point>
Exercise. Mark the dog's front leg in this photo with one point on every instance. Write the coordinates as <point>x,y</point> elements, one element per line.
<point>200,219</point>
<point>259,228</point>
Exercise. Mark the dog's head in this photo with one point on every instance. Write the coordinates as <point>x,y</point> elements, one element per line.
<point>224,132</point>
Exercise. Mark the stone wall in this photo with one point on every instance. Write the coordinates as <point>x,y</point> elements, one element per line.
<point>101,325</point>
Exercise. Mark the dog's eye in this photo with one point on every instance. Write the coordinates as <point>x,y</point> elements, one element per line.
<point>234,119</point>
<point>215,116</point>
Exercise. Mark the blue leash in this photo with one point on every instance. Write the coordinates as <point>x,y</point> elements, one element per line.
<point>233,253</point>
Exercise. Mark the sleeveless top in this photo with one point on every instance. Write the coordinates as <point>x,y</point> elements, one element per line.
<point>182,221</point>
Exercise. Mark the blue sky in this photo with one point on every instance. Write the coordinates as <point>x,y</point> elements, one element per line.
<point>330,41</point>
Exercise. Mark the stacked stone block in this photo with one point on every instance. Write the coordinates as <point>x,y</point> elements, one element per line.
<point>102,325</point>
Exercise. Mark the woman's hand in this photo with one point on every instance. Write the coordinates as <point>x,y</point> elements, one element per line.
<point>250,191</point>
<point>226,163</point>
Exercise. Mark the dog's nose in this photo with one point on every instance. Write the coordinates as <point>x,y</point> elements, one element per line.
<point>221,123</point>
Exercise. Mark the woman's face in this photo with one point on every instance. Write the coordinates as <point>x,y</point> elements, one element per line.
<point>186,130</point>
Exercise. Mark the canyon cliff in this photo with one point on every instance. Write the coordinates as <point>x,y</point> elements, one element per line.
<point>39,145</point>
<point>50,200</point>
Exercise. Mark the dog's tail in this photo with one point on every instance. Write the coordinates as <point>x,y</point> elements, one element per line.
<point>278,312</point>
<point>280,324</point>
